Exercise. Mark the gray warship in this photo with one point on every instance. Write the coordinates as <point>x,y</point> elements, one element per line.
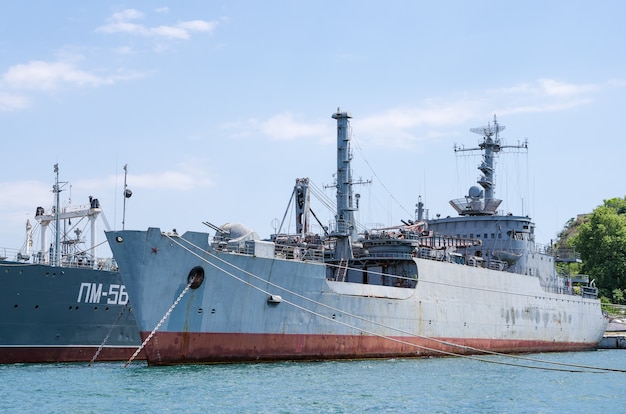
<point>473,283</point>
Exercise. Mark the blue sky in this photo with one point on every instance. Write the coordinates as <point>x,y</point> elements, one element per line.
<point>218,106</point>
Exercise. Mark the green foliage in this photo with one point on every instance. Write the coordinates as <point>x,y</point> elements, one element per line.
<point>570,229</point>
<point>601,241</point>
<point>607,306</point>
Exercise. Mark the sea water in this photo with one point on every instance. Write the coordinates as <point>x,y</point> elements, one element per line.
<point>445,385</point>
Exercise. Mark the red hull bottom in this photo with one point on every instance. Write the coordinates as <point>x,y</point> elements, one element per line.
<point>14,355</point>
<point>169,348</point>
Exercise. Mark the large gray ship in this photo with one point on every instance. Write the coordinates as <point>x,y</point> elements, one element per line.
<point>60,302</point>
<point>470,284</point>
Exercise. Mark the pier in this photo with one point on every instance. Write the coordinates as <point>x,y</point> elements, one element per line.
<point>615,335</point>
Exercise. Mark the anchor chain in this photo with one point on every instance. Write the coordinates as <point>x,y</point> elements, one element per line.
<point>156,328</point>
<point>106,338</point>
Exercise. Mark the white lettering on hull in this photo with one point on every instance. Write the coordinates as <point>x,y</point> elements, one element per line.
<point>94,293</point>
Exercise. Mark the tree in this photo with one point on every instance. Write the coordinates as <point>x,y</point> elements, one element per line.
<point>618,296</point>
<point>601,241</point>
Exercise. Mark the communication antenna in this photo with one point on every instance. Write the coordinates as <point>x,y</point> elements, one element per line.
<point>489,130</point>
<point>127,194</point>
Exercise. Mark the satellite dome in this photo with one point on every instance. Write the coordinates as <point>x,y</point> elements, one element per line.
<point>475,192</point>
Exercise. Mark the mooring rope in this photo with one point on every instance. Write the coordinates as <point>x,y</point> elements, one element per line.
<point>106,338</point>
<point>580,368</point>
<point>158,325</point>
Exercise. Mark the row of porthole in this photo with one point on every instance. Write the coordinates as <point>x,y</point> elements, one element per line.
<point>95,308</point>
<point>568,301</point>
<point>16,305</point>
<point>20,272</point>
<point>465,324</point>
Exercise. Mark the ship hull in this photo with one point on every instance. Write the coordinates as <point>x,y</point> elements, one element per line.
<point>252,308</point>
<point>70,353</point>
<point>64,314</point>
<point>202,347</point>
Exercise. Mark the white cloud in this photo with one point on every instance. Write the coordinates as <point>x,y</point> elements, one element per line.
<point>20,198</point>
<point>171,180</point>
<point>553,87</point>
<point>48,76</point>
<point>128,14</point>
<point>545,95</point>
<point>42,75</point>
<point>122,22</point>
<point>546,88</point>
<point>546,107</point>
<point>11,102</point>
<point>433,113</point>
<point>280,127</point>
<point>24,195</point>
<point>198,26</point>
<point>402,127</point>
<point>284,127</point>
<point>124,50</point>
<point>187,176</point>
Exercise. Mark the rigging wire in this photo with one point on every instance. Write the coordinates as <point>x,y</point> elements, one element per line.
<point>356,144</point>
<point>328,203</point>
<point>580,368</point>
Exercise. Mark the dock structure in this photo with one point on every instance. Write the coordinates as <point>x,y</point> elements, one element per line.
<point>615,336</point>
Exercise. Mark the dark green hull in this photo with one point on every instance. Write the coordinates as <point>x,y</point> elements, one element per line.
<point>64,314</point>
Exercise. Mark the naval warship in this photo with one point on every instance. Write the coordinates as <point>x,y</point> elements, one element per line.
<point>473,283</point>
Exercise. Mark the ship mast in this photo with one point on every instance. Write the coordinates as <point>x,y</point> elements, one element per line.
<point>345,225</point>
<point>57,227</point>
<point>127,194</point>
<point>475,203</point>
<point>91,212</point>
<point>303,206</point>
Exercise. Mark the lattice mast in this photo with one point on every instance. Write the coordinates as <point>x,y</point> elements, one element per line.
<point>477,203</point>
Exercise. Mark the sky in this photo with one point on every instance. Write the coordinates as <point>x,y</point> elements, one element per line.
<point>216,107</point>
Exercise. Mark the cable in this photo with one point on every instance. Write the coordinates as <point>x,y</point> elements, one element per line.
<point>587,368</point>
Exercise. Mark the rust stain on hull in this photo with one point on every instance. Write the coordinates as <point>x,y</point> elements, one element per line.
<point>14,355</point>
<point>193,347</point>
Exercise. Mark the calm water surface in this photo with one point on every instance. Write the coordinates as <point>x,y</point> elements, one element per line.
<point>445,385</point>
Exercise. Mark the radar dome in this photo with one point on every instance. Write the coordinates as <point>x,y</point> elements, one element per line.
<point>475,192</point>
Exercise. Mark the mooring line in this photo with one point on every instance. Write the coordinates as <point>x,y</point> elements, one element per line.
<point>158,325</point>
<point>586,368</point>
<point>106,338</point>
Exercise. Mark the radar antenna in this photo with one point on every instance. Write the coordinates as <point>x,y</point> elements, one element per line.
<point>475,203</point>
<point>489,130</point>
